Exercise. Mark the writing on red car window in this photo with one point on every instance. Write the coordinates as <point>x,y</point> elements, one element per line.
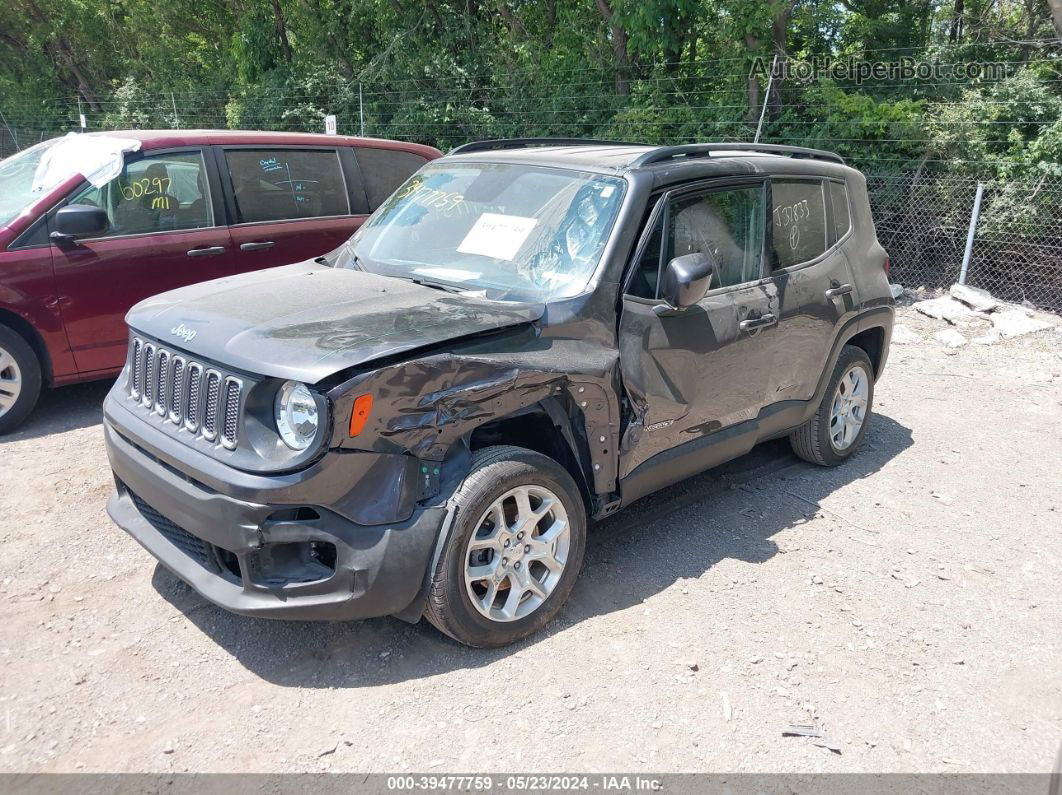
<point>145,186</point>
<point>298,187</point>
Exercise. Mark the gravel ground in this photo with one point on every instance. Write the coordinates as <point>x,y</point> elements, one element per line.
<point>907,602</point>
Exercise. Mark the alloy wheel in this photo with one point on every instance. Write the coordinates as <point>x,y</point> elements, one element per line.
<point>517,554</point>
<point>10,381</point>
<point>849,409</point>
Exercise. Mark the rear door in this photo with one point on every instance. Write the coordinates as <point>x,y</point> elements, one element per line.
<point>290,203</point>
<point>690,373</point>
<point>812,278</point>
<point>166,231</point>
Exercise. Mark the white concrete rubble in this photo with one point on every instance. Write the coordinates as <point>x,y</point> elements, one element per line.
<point>902,335</point>
<point>1016,322</point>
<point>974,297</point>
<point>950,338</point>
<point>945,308</point>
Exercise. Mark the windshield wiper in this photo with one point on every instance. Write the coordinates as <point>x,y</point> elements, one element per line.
<point>450,288</point>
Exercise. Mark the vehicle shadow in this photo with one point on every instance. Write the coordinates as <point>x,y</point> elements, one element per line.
<point>675,534</point>
<point>63,409</point>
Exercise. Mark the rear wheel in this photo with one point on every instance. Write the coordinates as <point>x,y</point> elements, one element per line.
<point>840,423</point>
<point>20,379</point>
<point>514,551</point>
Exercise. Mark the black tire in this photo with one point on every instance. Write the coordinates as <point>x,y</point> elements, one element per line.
<point>812,441</point>
<point>29,370</point>
<point>496,470</point>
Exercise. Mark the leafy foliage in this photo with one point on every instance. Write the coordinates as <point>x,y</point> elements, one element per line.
<point>644,70</point>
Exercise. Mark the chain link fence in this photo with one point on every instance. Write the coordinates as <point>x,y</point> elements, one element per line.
<point>14,139</point>
<point>923,220</point>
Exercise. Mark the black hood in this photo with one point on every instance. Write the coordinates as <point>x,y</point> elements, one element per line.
<point>307,321</point>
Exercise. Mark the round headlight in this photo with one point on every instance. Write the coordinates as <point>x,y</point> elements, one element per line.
<point>296,415</point>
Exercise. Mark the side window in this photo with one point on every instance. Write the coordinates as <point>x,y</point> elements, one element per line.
<point>384,170</point>
<point>158,193</point>
<point>646,275</point>
<point>286,184</point>
<point>799,221</point>
<point>727,223</point>
<point>842,219</point>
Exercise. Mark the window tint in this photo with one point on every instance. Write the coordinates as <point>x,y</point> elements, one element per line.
<point>799,219</point>
<point>842,220</point>
<point>383,170</point>
<point>646,273</point>
<point>282,184</point>
<point>161,193</point>
<point>727,223</point>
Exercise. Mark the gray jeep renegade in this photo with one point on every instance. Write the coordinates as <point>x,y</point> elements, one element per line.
<point>527,336</point>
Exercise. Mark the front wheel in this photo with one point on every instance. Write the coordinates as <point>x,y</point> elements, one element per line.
<point>20,379</point>
<point>837,429</point>
<point>514,550</point>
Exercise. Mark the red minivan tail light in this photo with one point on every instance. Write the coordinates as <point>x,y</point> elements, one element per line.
<point>888,266</point>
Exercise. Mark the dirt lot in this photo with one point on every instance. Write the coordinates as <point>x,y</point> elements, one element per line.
<point>909,602</point>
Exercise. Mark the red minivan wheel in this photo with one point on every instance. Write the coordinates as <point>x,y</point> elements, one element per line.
<point>20,379</point>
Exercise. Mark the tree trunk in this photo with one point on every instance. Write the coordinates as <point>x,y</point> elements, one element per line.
<point>955,32</point>
<point>515,25</point>
<point>783,13</point>
<point>752,83</point>
<point>1056,15</point>
<point>59,48</point>
<point>619,48</point>
<point>282,31</point>
<point>345,64</point>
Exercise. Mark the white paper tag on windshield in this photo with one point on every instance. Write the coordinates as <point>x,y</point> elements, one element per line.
<point>498,236</point>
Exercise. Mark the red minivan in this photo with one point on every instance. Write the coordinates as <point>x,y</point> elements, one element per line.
<point>187,206</point>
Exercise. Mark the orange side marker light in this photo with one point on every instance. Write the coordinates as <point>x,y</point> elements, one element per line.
<point>359,415</point>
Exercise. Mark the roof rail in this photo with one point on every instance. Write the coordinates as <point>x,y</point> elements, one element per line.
<point>663,153</point>
<point>522,143</point>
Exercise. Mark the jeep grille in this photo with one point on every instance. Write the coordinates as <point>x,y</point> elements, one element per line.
<point>185,392</point>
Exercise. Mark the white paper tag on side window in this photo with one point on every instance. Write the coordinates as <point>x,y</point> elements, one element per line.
<point>497,236</point>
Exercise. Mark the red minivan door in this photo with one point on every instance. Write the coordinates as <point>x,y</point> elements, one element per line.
<point>289,203</point>
<point>167,230</point>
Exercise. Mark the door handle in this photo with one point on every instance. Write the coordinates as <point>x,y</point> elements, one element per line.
<point>841,289</point>
<point>257,246</point>
<point>757,322</point>
<point>206,251</point>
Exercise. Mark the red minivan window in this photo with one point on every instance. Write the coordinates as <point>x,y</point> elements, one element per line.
<point>187,206</point>
<point>283,196</point>
<point>162,235</point>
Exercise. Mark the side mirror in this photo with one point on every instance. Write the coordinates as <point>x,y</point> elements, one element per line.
<point>686,279</point>
<point>80,220</point>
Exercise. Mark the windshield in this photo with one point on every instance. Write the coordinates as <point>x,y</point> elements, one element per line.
<point>511,232</point>
<point>16,181</point>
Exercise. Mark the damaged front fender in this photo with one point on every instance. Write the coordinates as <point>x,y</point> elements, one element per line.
<point>429,407</point>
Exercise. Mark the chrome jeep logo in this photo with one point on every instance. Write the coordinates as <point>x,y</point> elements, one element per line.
<point>185,333</point>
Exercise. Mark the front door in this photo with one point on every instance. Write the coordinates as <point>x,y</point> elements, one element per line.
<point>162,235</point>
<point>288,204</point>
<point>691,373</point>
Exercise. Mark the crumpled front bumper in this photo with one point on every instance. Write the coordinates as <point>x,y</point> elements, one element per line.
<point>261,546</point>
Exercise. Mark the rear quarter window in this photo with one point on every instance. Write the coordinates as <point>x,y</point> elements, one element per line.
<point>842,217</point>
<point>384,170</point>
<point>798,218</point>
